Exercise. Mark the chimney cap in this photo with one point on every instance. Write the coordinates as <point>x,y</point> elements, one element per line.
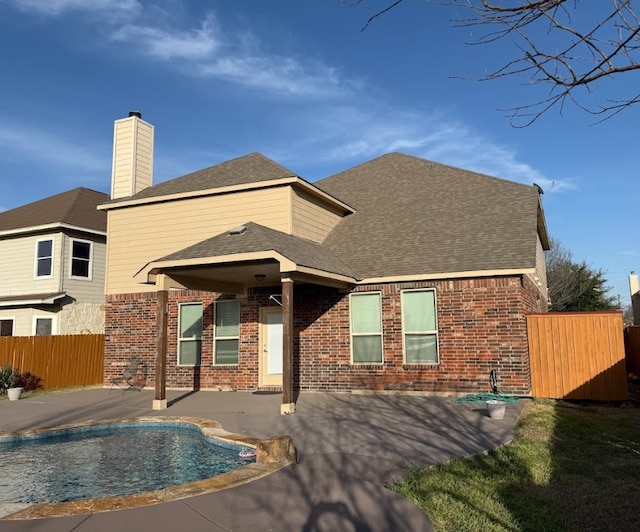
<point>135,113</point>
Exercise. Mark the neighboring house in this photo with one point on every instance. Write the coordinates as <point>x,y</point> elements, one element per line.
<point>400,274</point>
<point>52,265</point>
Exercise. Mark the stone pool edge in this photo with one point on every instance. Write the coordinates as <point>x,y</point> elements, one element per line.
<point>272,454</point>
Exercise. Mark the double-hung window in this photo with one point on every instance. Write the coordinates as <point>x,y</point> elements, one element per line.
<point>6,326</point>
<point>42,326</point>
<point>44,258</point>
<point>190,334</point>
<point>419,327</point>
<point>81,259</point>
<point>227,332</point>
<point>366,328</point>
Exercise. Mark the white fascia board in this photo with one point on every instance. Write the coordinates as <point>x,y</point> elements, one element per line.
<point>49,227</point>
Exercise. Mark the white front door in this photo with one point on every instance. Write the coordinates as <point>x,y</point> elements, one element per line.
<point>271,347</point>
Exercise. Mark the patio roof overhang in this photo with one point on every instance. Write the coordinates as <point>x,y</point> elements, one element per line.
<point>238,272</point>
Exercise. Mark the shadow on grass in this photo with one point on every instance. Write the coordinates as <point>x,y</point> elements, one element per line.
<point>569,468</point>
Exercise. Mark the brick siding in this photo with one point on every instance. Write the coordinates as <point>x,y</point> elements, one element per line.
<point>481,327</point>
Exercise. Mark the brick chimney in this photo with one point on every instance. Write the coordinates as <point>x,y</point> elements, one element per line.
<point>132,156</point>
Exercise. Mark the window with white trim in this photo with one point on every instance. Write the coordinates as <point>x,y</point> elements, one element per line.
<point>189,334</point>
<point>419,327</point>
<point>42,326</point>
<point>81,258</point>
<point>366,328</point>
<point>226,340</point>
<point>44,258</point>
<point>6,326</point>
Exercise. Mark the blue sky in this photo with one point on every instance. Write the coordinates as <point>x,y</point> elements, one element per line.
<point>299,82</point>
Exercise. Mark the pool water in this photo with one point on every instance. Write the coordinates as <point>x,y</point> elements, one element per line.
<point>109,461</point>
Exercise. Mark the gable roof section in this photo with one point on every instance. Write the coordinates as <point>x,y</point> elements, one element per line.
<point>251,168</point>
<point>256,238</point>
<point>416,217</point>
<point>75,208</point>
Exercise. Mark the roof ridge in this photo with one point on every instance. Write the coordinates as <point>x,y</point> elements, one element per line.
<point>78,192</point>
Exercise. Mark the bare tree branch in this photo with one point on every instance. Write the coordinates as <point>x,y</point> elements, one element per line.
<point>568,45</point>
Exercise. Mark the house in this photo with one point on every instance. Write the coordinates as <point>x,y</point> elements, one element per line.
<point>52,265</point>
<point>399,275</point>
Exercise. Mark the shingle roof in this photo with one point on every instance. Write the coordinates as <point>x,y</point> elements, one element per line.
<point>419,217</point>
<point>75,207</point>
<point>251,168</point>
<point>257,238</point>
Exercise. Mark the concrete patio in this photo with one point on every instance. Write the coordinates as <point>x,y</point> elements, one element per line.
<point>349,446</point>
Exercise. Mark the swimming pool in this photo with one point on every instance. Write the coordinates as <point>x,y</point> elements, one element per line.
<point>110,460</point>
<point>99,466</point>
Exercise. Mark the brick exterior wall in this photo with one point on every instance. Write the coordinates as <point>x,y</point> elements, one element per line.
<point>481,327</point>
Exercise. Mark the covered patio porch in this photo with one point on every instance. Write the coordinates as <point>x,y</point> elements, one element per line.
<point>247,257</point>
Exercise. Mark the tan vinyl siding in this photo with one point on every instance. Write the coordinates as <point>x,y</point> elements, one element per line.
<point>144,156</point>
<point>23,324</point>
<point>17,266</point>
<point>85,290</point>
<point>122,159</point>
<point>138,235</point>
<point>132,157</point>
<point>541,269</point>
<point>312,218</point>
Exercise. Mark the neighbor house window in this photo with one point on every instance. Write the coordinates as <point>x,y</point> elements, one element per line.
<point>227,332</point>
<point>419,327</point>
<point>6,327</point>
<point>366,328</point>
<point>81,259</point>
<point>43,326</point>
<point>190,334</point>
<point>44,258</point>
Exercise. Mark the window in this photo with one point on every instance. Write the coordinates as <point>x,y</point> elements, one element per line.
<point>81,259</point>
<point>6,326</point>
<point>43,326</point>
<point>227,332</point>
<point>419,327</point>
<point>366,328</point>
<point>190,334</point>
<point>44,258</point>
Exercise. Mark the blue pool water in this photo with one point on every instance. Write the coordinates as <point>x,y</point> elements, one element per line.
<point>110,460</point>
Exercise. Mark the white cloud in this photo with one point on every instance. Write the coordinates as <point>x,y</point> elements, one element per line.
<point>208,52</point>
<point>19,142</point>
<point>168,44</point>
<point>59,7</point>
<point>350,135</point>
<point>203,51</point>
<point>275,73</point>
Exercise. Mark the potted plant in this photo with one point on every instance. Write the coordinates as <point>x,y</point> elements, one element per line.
<point>8,380</point>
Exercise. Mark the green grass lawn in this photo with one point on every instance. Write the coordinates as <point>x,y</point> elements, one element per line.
<point>569,468</point>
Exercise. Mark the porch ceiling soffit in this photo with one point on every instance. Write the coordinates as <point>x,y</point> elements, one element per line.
<point>231,261</point>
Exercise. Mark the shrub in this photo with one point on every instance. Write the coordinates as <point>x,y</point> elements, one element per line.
<point>7,378</point>
<point>12,378</point>
<point>28,381</point>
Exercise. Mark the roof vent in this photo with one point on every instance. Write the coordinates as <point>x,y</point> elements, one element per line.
<point>135,113</point>
<point>238,230</point>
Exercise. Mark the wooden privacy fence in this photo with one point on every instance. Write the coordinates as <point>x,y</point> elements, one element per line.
<point>632,349</point>
<point>577,355</point>
<point>61,361</point>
